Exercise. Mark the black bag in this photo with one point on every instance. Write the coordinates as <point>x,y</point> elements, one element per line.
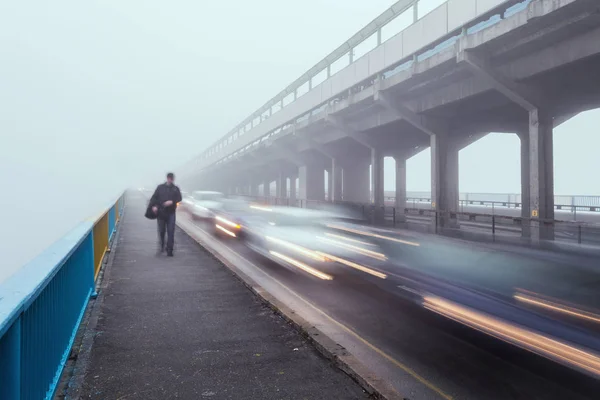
<point>150,213</point>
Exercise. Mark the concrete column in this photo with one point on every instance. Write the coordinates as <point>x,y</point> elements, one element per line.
<point>329,196</point>
<point>525,206</point>
<point>335,181</point>
<point>416,11</point>
<point>444,180</point>
<point>541,175</point>
<point>311,183</point>
<point>377,184</point>
<point>356,182</point>
<point>254,189</point>
<point>281,185</point>
<point>267,187</point>
<point>293,183</point>
<point>400,188</point>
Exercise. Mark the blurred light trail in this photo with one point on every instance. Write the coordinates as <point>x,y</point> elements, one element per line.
<point>348,239</point>
<point>554,306</point>
<point>225,230</point>
<point>365,252</point>
<point>355,265</point>
<point>227,222</point>
<point>299,249</point>
<point>522,337</point>
<point>261,208</point>
<point>302,266</point>
<point>364,233</point>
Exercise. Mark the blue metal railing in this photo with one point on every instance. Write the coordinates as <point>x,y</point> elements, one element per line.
<point>41,307</point>
<point>112,221</point>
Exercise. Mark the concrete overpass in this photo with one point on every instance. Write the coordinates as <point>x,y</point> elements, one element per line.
<point>465,69</point>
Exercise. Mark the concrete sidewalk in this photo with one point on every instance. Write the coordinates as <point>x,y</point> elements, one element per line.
<point>186,328</point>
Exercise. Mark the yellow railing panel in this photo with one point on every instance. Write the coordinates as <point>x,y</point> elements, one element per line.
<point>100,233</point>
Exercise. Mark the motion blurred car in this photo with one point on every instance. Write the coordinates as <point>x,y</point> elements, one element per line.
<point>301,238</point>
<point>234,218</point>
<point>202,204</point>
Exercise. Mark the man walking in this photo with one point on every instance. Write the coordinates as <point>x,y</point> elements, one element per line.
<point>164,203</point>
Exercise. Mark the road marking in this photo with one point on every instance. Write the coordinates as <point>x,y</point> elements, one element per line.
<point>376,349</point>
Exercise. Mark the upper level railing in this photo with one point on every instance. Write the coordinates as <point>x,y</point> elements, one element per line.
<point>42,304</point>
<point>422,38</point>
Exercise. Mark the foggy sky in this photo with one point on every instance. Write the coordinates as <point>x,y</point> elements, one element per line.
<point>96,96</point>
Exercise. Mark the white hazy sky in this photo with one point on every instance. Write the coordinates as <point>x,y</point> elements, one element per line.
<point>97,95</point>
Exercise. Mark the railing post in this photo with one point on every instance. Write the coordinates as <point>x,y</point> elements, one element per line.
<point>92,262</point>
<point>579,233</point>
<point>10,362</point>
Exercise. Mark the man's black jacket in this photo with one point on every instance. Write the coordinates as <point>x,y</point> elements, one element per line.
<point>165,192</point>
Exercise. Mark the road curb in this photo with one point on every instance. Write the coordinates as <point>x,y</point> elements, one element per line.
<point>334,352</point>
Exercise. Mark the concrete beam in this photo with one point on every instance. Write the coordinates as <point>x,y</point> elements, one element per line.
<point>403,112</point>
<point>312,144</point>
<point>519,94</point>
<point>360,137</point>
<point>286,153</point>
<point>558,121</point>
<point>469,140</point>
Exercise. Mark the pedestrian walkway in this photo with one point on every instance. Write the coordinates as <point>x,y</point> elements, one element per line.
<point>186,328</point>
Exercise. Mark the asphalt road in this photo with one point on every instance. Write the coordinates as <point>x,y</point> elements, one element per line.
<point>423,355</point>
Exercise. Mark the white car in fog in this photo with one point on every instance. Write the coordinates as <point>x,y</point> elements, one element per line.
<point>202,204</point>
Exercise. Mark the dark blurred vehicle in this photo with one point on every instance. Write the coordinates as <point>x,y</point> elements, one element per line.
<point>234,218</point>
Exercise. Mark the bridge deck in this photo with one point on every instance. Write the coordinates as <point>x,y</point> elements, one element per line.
<point>185,327</point>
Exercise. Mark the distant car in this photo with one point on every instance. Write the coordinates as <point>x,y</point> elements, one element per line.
<point>202,204</point>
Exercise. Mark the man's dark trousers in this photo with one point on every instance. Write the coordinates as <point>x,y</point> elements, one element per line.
<point>166,224</point>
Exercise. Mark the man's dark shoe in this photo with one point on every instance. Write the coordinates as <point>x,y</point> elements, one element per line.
<point>170,253</point>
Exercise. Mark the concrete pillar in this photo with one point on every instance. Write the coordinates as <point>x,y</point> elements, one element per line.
<point>525,206</point>
<point>444,180</point>
<point>293,182</point>
<point>329,195</point>
<point>311,183</point>
<point>377,184</point>
<point>335,181</point>
<point>281,185</point>
<point>254,189</point>
<point>541,175</point>
<point>356,182</point>
<point>400,203</point>
<point>416,11</point>
<point>267,188</point>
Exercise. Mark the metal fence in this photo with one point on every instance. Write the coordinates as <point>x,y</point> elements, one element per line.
<point>477,225</point>
<point>570,203</point>
<point>43,303</point>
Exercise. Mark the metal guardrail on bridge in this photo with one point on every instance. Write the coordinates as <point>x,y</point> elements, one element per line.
<point>43,303</point>
<point>495,225</point>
